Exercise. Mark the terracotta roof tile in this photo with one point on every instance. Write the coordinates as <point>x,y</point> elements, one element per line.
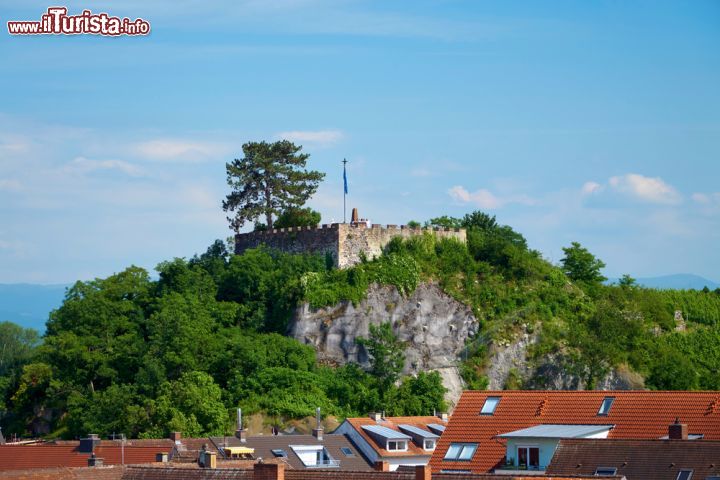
<point>392,423</point>
<point>22,457</point>
<point>637,459</point>
<point>635,414</point>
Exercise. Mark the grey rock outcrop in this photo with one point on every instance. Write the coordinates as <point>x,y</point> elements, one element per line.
<point>433,326</point>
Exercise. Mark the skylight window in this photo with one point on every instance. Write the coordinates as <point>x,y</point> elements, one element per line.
<point>684,475</point>
<point>490,405</point>
<point>347,452</point>
<point>605,471</point>
<point>462,452</point>
<point>605,406</point>
<point>278,452</point>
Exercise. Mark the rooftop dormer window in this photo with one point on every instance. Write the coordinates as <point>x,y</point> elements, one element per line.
<point>397,445</point>
<point>490,405</point>
<point>605,406</point>
<point>429,444</point>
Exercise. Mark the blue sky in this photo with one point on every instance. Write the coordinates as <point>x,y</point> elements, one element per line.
<point>596,122</point>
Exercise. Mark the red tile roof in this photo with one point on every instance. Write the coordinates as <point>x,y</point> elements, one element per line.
<point>635,414</point>
<point>637,459</point>
<point>22,457</point>
<point>392,423</point>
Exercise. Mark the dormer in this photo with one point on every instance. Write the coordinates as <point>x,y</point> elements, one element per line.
<point>422,438</point>
<point>387,438</point>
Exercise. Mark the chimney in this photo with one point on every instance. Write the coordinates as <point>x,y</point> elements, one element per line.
<point>87,445</point>
<point>318,430</point>
<point>175,436</point>
<point>94,461</point>
<point>678,431</point>
<point>380,466</point>
<point>375,416</point>
<point>423,472</point>
<point>269,471</point>
<point>443,416</point>
<point>240,433</point>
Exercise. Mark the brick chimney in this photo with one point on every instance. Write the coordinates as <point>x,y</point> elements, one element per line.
<point>678,431</point>
<point>269,471</point>
<point>175,436</point>
<point>423,472</point>
<point>382,466</point>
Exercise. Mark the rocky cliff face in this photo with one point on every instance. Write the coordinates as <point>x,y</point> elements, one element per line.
<point>433,325</point>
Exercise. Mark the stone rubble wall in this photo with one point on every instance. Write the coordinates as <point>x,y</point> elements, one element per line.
<point>344,242</point>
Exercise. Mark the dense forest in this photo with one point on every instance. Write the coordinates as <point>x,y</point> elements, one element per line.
<point>146,356</point>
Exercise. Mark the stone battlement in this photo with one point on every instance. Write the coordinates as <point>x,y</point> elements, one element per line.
<point>345,242</point>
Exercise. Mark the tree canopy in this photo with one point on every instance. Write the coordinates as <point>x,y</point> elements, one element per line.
<point>270,178</point>
<point>582,266</point>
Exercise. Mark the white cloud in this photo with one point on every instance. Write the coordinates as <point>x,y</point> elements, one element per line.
<point>10,185</point>
<point>589,188</point>
<point>484,198</point>
<point>323,138</point>
<point>180,150</point>
<point>707,198</point>
<point>648,189</point>
<point>86,165</point>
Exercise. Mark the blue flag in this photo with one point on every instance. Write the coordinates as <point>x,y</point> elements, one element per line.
<point>345,179</point>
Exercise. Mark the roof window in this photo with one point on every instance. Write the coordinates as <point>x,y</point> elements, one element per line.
<point>605,406</point>
<point>490,405</point>
<point>462,452</point>
<point>605,471</point>
<point>278,452</point>
<point>347,452</point>
<point>684,475</point>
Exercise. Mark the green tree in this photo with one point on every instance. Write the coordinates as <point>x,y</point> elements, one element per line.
<point>17,346</point>
<point>627,281</point>
<point>386,354</point>
<point>582,266</point>
<point>419,395</point>
<point>298,217</point>
<point>270,178</point>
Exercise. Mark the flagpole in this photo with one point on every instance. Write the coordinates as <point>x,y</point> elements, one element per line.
<point>344,190</point>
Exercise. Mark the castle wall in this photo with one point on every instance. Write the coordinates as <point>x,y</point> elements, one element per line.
<point>343,241</point>
<point>321,239</point>
<point>371,240</point>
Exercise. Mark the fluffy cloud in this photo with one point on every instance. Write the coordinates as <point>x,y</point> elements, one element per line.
<point>9,185</point>
<point>180,150</point>
<point>589,188</point>
<point>86,165</point>
<point>707,198</point>
<point>485,199</point>
<point>323,138</point>
<point>647,189</point>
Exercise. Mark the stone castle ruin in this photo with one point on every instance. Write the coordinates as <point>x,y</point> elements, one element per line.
<point>345,242</point>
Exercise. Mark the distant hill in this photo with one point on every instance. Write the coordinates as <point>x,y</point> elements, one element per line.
<point>678,281</point>
<point>28,305</point>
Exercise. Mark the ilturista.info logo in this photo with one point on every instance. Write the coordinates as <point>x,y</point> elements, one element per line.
<point>57,22</point>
